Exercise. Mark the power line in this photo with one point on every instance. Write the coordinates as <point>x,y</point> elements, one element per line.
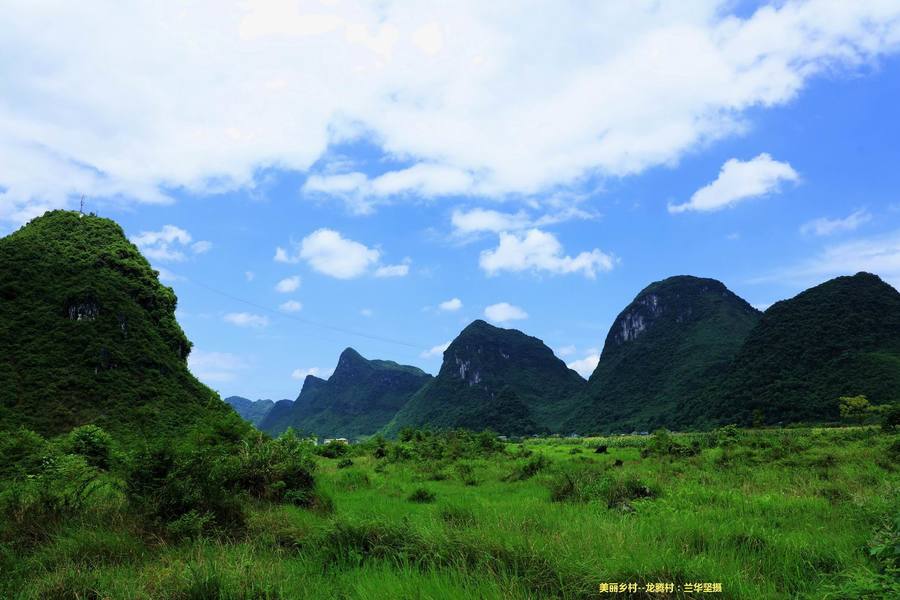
<point>310,322</point>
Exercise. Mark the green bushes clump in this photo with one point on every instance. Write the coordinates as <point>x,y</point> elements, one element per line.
<point>422,496</point>
<point>588,485</point>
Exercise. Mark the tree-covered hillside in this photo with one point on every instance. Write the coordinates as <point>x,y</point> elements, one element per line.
<point>672,341</point>
<point>250,410</point>
<point>840,338</point>
<point>359,398</point>
<point>496,378</point>
<point>88,334</point>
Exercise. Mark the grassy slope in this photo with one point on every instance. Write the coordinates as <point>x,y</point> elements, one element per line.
<point>783,514</point>
<point>124,370</point>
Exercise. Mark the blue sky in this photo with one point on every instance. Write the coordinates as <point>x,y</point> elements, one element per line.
<point>422,167</point>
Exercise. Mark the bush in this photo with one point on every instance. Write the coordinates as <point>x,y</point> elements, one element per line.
<point>344,463</point>
<point>529,469</point>
<point>587,485</point>
<point>662,444</point>
<point>91,442</point>
<point>332,450</point>
<point>422,496</point>
<point>21,453</point>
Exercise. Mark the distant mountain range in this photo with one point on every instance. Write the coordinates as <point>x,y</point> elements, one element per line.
<point>88,335</point>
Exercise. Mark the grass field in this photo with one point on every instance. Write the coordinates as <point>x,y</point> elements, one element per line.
<point>794,513</point>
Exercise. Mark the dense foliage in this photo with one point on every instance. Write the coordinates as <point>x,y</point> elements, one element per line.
<point>359,398</point>
<point>487,365</point>
<point>250,410</point>
<point>840,338</point>
<point>88,334</point>
<point>675,339</point>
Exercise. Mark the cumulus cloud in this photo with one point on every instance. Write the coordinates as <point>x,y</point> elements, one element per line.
<point>566,351</point>
<point>469,74</point>
<point>291,306</point>
<point>243,319</point>
<point>451,305</point>
<point>168,244</point>
<point>435,350</point>
<point>536,250</point>
<point>329,253</point>
<point>585,366</point>
<point>503,312</point>
<point>737,181</point>
<point>824,226</point>
<point>479,220</point>
<point>288,284</point>
<point>215,367</point>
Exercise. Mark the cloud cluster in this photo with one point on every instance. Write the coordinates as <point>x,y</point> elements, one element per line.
<point>435,351</point>
<point>465,98</point>
<point>503,312</point>
<point>585,366</point>
<point>330,253</point>
<point>302,373</point>
<point>738,181</point>
<point>169,244</point>
<point>536,250</point>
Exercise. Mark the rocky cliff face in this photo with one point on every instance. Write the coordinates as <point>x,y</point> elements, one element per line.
<point>478,365</point>
<point>670,343</point>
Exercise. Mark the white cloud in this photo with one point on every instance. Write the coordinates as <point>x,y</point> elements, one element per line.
<point>876,254</point>
<point>168,244</point>
<point>451,305</point>
<point>167,276</point>
<point>281,255</point>
<point>302,373</point>
<point>737,181</point>
<point>503,311</point>
<point>478,220</point>
<point>329,253</point>
<point>291,306</point>
<point>246,319</point>
<point>288,284</point>
<point>435,350</point>
<point>824,226</point>
<point>249,275</point>
<point>459,91</point>
<point>201,247</point>
<point>537,250</point>
<point>215,367</point>
<point>585,366</point>
<point>366,312</point>
<point>401,270</point>
<point>566,351</point>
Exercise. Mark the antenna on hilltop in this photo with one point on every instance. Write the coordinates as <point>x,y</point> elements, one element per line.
<point>81,208</point>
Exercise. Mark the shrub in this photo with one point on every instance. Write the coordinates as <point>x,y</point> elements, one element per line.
<point>344,463</point>
<point>529,469</point>
<point>457,516</point>
<point>332,450</point>
<point>422,496</point>
<point>22,452</point>
<point>91,442</point>
<point>586,485</point>
<point>662,444</point>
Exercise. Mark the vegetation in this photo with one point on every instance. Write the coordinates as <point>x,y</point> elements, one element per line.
<point>496,378</point>
<point>88,335</point>
<point>768,513</point>
<point>359,398</point>
<point>676,338</point>
<point>840,338</point>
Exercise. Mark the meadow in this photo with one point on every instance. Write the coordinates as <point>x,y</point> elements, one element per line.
<point>762,513</point>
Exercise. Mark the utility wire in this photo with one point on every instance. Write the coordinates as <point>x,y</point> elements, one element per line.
<point>310,322</point>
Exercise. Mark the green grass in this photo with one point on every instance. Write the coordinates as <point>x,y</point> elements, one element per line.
<point>768,513</point>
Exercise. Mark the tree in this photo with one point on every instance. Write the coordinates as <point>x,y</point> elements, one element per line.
<point>855,407</point>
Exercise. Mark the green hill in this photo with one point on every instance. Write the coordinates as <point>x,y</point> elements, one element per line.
<point>359,398</point>
<point>672,341</point>
<point>253,411</point>
<point>839,338</point>
<point>494,378</point>
<point>88,334</point>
